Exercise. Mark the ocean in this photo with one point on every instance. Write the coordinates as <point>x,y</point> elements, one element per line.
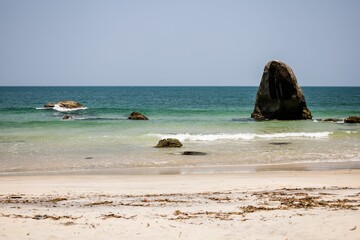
<point>212,120</point>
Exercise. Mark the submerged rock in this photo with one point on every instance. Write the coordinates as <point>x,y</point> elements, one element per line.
<point>352,119</point>
<point>332,120</point>
<point>137,116</point>
<point>279,95</point>
<point>280,143</point>
<point>169,143</point>
<point>193,153</point>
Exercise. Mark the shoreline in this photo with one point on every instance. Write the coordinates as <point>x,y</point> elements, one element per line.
<point>189,170</point>
<point>254,205</point>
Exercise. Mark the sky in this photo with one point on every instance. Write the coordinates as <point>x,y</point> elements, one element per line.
<point>177,43</point>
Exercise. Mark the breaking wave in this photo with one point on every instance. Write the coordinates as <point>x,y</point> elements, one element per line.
<point>62,109</point>
<point>240,136</point>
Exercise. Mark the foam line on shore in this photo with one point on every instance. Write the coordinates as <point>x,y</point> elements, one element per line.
<point>240,136</point>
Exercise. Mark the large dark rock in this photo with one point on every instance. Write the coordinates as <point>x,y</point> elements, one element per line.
<point>279,95</point>
<point>352,119</point>
<point>137,116</point>
<point>169,143</point>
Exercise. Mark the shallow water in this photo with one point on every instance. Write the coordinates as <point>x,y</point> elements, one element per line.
<point>213,120</point>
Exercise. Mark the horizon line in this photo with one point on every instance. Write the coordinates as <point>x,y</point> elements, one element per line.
<point>163,86</point>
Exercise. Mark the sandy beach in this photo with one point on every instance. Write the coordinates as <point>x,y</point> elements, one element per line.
<point>257,205</point>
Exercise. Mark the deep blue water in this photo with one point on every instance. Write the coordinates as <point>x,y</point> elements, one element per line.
<point>105,102</point>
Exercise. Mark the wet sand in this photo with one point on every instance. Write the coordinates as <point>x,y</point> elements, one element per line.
<point>219,169</point>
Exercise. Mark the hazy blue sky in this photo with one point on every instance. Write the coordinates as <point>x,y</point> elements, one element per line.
<point>69,42</point>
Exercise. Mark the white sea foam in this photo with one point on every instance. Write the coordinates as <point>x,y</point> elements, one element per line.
<point>241,136</point>
<point>351,132</point>
<point>323,121</point>
<point>62,109</point>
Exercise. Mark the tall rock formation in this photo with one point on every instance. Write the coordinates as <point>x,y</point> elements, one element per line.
<point>279,95</point>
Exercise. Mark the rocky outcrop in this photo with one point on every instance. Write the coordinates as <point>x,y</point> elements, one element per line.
<point>279,95</point>
<point>352,119</point>
<point>137,116</point>
<point>169,143</point>
<point>65,104</point>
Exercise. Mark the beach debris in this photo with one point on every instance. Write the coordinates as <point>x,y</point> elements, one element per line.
<point>66,117</point>
<point>352,119</point>
<point>169,143</point>
<point>70,223</point>
<point>98,203</point>
<point>112,215</point>
<point>53,217</point>
<point>279,96</point>
<point>57,199</point>
<point>15,197</point>
<point>137,116</point>
<point>193,153</point>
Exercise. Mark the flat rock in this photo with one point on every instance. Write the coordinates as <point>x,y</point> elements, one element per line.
<point>137,116</point>
<point>65,104</point>
<point>169,143</point>
<point>69,104</point>
<point>279,95</point>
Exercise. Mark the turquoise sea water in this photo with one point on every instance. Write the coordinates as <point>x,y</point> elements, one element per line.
<point>214,120</point>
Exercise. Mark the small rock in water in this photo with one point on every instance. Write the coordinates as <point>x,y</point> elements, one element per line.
<point>66,117</point>
<point>137,116</point>
<point>49,105</point>
<point>193,153</point>
<point>352,119</point>
<point>89,158</point>
<point>169,143</point>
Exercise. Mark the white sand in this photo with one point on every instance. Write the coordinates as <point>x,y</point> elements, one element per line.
<point>262,205</point>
